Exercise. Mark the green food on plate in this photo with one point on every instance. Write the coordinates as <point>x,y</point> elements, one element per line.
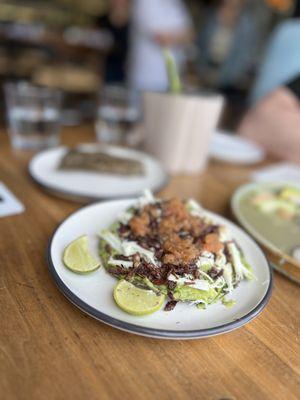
<point>164,252</point>
<point>273,212</point>
<point>162,246</point>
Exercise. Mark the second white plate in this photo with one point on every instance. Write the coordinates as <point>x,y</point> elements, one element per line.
<point>89,186</point>
<point>235,149</point>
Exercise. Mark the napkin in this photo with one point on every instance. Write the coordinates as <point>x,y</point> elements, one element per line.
<point>9,204</point>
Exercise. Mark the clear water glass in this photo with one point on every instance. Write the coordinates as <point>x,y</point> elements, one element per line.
<point>33,115</point>
<point>118,117</point>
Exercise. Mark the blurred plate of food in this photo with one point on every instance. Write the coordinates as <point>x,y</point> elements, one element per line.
<point>234,149</point>
<point>270,212</point>
<point>92,171</point>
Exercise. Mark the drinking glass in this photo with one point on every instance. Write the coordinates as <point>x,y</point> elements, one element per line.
<point>118,117</point>
<point>33,115</point>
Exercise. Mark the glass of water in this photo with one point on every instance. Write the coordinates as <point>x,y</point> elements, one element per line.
<point>118,117</point>
<point>33,115</point>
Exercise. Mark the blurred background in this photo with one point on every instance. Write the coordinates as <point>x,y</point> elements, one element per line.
<point>79,46</point>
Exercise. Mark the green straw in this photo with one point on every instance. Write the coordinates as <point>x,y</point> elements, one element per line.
<point>173,76</point>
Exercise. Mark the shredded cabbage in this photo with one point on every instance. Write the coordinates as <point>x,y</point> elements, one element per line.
<point>182,279</point>
<point>147,198</point>
<point>219,283</point>
<point>120,263</point>
<point>227,274</point>
<point>194,208</point>
<point>228,302</point>
<point>224,234</point>
<point>125,217</point>
<point>130,248</point>
<point>207,254</point>
<point>112,239</point>
<point>198,303</point>
<point>206,276</point>
<point>240,270</point>
<point>204,261</point>
<point>221,260</point>
<point>200,284</point>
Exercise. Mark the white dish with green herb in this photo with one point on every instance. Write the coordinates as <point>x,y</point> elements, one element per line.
<point>270,212</point>
<point>200,269</point>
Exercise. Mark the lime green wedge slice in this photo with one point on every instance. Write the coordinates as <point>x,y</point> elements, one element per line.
<point>78,258</point>
<point>136,301</point>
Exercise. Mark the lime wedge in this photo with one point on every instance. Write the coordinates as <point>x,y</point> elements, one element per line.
<point>78,258</point>
<point>136,301</point>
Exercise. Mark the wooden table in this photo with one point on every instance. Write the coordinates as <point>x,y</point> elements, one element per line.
<point>51,350</point>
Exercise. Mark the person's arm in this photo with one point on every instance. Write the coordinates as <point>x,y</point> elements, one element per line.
<point>274,123</point>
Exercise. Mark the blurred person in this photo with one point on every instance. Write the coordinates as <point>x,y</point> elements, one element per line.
<point>274,122</point>
<point>116,23</point>
<point>282,58</point>
<point>274,119</point>
<point>227,43</point>
<point>156,24</point>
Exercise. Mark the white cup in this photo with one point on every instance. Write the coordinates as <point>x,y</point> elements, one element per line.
<point>178,129</point>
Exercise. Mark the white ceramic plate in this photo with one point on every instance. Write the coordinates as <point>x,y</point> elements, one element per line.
<point>235,149</point>
<point>279,257</point>
<point>89,186</point>
<point>93,293</point>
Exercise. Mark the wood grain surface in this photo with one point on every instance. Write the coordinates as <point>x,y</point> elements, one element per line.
<point>51,350</point>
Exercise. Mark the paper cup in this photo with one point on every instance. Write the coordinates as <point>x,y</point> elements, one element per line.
<point>178,129</point>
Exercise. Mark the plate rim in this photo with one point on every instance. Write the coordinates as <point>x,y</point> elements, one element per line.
<point>65,194</point>
<point>142,330</point>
